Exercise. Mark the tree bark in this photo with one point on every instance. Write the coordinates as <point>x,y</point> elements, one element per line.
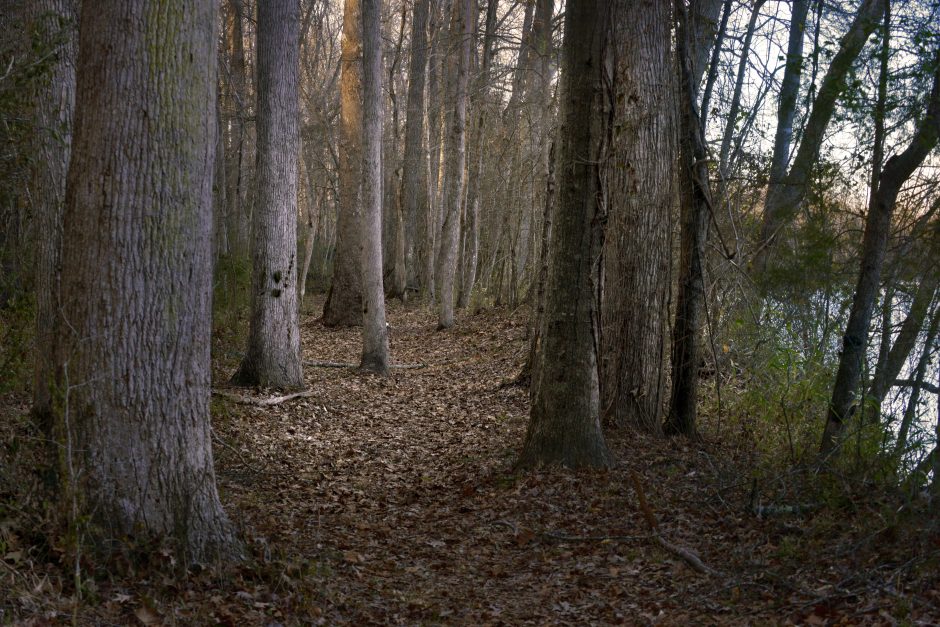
<point>343,306</point>
<point>874,244</point>
<point>272,358</point>
<point>564,423</point>
<point>374,332</point>
<point>57,20</point>
<point>783,199</point>
<point>714,63</point>
<point>415,176</point>
<point>132,346</point>
<point>789,90</point>
<point>641,175</point>
<point>455,163</point>
<point>920,373</point>
<point>695,202</point>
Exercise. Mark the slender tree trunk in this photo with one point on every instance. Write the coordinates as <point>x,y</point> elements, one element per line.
<point>695,200</point>
<point>714,63</point>
<point>456,156</point>
<point>641,174</point>
<point>344,301</point>
<point>56,20</point>
<point>132,348</point>
<point>415,175</point>
<point>874,244</point>
<point>789,90</point>
<point>564,423</point>
<point>374,333</point>
<point>732,121</point>
<point>920,373</point>
<point>783,199</point>
<point>706,28</point>
<point>272,358</point>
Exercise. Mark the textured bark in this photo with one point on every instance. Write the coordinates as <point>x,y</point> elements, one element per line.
<point>474,176</point>
<point>57,20</point>
<point>237,176</point>
<point>564,423</point>
<point>874,244</point>
<point>414,191</point>
<point>132,348</point>
<point>783,199</point>
<point>695,200</point>
<point>641,174</point>
<point>272,358</point>
<point>344,301</point>
<point>789,90</point>
<point>455,161</point>
<point>705,30</point>
<point>732,122</point>
<point>374,332</point>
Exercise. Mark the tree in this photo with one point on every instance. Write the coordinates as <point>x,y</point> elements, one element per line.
<point>414,184</point>
<point>132,342</point>
<point>344,301</point>
<point>456,154</point>
<point>641,171</point>
<point>695,200</point>
<point>895,173</point>
<point>273,354</point>
<point>58,20</point>
<point>374,332</point>
<point>564,423</point>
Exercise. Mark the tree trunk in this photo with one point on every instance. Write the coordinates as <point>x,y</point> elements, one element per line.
<point>695,201</point>
<point>564,424</point>
<point>56,20</point>
<point>732,121</point>
<point>789,90</point>
<point>414,192</point>
<point>344,301</point>
<point>706,27</point>
<point>874,244</point>
<point>456,156</point>
<point>641,173</point>
<point>132,346</point>
<point>783,199</point>
<point>920,373</point>
<point>714,63</point>
<point>374,332</point>
<point>272,358</point>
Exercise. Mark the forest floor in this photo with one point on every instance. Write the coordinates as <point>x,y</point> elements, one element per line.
<point>394,501</point>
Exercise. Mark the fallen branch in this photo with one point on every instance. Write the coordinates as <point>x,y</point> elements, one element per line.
<point>262,402</point>
<point>687,555</point>
<point>344,364</point>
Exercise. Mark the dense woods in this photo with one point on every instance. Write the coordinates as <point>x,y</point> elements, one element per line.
<point>645,290</point>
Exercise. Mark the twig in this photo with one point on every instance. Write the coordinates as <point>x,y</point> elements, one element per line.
<point>262,402</point>
<point>687,555</point>
<point>239,453</point>
<point>344,364</point>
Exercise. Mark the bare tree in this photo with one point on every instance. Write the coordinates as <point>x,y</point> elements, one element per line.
<point>132,347</point>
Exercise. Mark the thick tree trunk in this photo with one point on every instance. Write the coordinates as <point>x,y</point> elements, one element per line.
<point>783,199</point>
<point>272,358</point>
<point>456,157</point>
<point>695,202</point>
<point>564,424</point>
<point>789,90</point>
<point>874,244</point>
<point>641,174</point>
<point>374,332</point>
<point>344,301</point>
<point>132,346</point>
<point>414,192</point>
<point>55,20</point>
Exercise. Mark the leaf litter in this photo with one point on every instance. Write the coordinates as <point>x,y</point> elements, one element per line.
<point>394,501</point>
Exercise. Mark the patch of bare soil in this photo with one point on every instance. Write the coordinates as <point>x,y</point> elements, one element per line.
<point>393,501</point>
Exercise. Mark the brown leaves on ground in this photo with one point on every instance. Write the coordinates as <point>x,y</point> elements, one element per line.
<point>393,501</point>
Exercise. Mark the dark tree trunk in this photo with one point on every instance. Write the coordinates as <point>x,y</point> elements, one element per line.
<point>273,355</point>
<point>564,425</point>
<point>56,20</point>
<point>874,244</point>
<point>132,348</point>
<point>695,198</point>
